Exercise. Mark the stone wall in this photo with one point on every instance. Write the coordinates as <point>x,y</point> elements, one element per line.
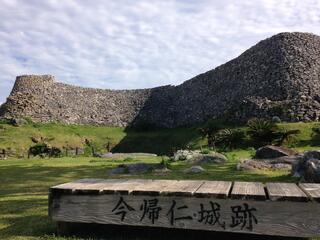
<point>278,76</point>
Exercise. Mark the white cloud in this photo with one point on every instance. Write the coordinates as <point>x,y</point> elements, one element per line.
<point>137,44</point>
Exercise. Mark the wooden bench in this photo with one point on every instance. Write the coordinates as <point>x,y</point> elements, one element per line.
<point>278,209</point>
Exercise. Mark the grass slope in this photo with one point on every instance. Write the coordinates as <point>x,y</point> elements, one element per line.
<point>24,183</point>
<point>24,186</point>
<point>161,141</point>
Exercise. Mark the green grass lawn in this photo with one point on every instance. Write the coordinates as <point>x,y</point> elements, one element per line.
<point>25,183</point>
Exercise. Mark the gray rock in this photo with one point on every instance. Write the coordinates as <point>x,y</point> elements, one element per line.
<point>136,168</point>
<point>107,155</point>
<point>198,158</point>
<point>312,155</point>
<point>118,170</point>
<point>182,155</point>
<point>271,151</point>
<point>124,155</point>
<point>211,158</point>
<point>194,169</point>
<point>307,169</point>
<point>262,165</point>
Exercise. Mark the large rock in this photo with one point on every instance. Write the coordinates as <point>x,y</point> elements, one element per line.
<point>210,158</point>
<point>194,169</point>
<point>284,163</point>
<point>182,155</point>
<point>263,165</point>
<point>196,157</point>
<point>126,155</point>
<point>308,167</point>
<point>135,168</point>
<point>271,151</point>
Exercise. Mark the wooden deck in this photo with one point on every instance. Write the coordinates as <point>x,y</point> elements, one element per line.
<point>278,209</point>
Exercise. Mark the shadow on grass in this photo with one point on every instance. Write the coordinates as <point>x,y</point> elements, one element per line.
<point>38,179</point>
<point>34,225</point>
<point>161,142</point>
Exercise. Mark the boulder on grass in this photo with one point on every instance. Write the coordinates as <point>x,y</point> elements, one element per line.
<point>263,165</point>
<point>194,169</point>
<point>210,158</point>
<point>136,168</point>
<point>197,157</point>
<point>271,151</point>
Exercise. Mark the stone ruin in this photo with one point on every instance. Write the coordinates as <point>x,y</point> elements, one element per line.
<point>278,77</point>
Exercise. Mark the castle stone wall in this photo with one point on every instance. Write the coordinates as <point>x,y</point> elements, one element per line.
<point>278,76</point>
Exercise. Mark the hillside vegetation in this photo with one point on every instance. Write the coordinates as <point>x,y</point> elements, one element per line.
<point>18,140</point>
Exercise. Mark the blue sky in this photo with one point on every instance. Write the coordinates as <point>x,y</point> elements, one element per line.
<point>126,44</point>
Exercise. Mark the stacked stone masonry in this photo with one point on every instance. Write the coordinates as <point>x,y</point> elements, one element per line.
<point>279,76</point>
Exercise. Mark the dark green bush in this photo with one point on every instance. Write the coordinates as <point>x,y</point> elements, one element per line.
<point>229,138</point>
<point>205,151</point>
<point>286,136</point>
<point>210,130</point>
<point>316,134</point>
<point>39,149</point>
<point>262,132</point>
<point>55,152</point>
<point>43,150</point>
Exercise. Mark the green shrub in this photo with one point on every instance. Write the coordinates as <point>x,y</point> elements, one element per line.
<point>128,159</point>
<point>262,132</point>
<point>210,130</point>
<point>5,121</point>
<point>286,136</point>
<point>165,162</point>
<point>229,138</point>
<point>205,151</point>
<point>55,152</point>
<point>91,148</point>
<point>39,149</point>
<point>43,150</point>
<point>316,134</point>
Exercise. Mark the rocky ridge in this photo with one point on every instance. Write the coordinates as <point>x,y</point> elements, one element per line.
<point>279,76</point>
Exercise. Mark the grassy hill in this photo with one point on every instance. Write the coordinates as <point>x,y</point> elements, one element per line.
<point>25,182</point>
<point>161,141</point>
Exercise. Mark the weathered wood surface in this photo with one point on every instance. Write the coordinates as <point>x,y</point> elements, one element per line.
<point>248,190</point>
<point>285,191</point>
<point>312,190</point>
<point>217,189</point>
<point>201,205</point>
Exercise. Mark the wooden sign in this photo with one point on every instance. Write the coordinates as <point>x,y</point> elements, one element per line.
<point>279,209</point>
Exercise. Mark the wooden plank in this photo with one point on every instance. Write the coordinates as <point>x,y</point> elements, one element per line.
<point>298,219</point>
<point>285,192</point>
<point>94,186</point>
<point>125,187</point>
<point>216,189</point>
<point>248,190</point>
<point>72,186</point>
<point>181,188</point>
<point>312,190</point>
<point>153,188</point>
